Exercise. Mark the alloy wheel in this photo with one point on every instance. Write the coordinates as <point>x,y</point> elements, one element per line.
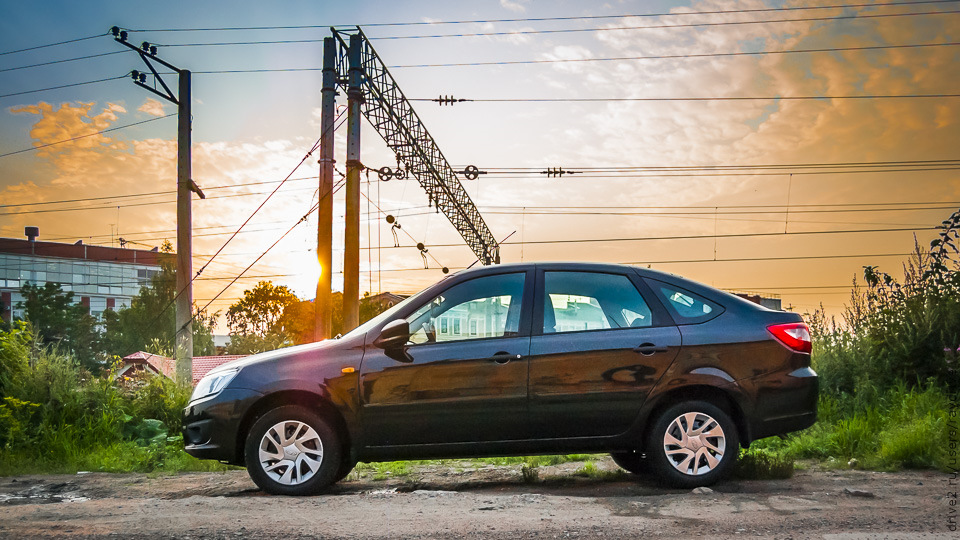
<point>694,443</point>
<point>290,452</point>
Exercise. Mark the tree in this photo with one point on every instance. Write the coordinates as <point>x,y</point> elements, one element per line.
<point>267,317</point>
<point>152,316</point>
<point>59,320</point>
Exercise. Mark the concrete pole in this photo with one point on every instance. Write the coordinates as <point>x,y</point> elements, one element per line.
<point>351,248</point>
<point>323,305</point>
<point>184,337</point>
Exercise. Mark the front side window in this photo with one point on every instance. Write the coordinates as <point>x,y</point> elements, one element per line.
<point>484,307</point>
<point>577,301</point>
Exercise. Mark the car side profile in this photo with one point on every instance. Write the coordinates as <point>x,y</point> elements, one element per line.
<point>666,374</point>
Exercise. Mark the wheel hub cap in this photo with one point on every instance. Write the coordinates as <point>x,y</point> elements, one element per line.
<point>694,443</point>
<point>291,452</point>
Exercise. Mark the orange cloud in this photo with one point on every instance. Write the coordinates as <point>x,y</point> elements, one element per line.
<point>152,107</point>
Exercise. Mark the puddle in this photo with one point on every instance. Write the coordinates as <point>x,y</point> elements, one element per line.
<point>43,494</point>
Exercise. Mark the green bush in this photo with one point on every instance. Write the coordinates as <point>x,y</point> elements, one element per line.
<point>55,416</point>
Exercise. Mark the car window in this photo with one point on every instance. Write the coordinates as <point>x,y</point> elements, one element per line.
<point>480,308</point>
<point>687,306</point>
<point>578,301</point>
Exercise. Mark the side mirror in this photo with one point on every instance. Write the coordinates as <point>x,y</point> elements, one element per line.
<point>394,335</point>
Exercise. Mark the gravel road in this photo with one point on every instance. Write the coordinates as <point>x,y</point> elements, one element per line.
<point>461,499</point>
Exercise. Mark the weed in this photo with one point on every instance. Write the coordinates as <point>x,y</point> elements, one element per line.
<point>529,474</point>
<point>760,464</point>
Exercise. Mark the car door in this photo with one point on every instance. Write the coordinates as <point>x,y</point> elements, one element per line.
<point>466,375</point>
<point>601,348</point>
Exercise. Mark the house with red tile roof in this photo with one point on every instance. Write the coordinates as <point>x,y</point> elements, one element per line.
<point>140,363</point>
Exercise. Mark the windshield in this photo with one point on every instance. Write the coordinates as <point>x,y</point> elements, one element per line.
<point>385,316</point>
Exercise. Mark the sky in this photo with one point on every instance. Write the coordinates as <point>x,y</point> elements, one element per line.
<point>779,194</point>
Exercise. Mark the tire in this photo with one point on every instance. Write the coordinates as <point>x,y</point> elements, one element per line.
<point>679,454</point>
<point>306,465</point>
<point>633,462</point>
<point>346,467</point>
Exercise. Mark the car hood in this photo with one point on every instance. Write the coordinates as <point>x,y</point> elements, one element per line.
<point>313,350</point>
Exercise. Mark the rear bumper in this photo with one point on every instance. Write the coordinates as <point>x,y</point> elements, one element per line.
<point>210,426</point>
<point>786,402</point>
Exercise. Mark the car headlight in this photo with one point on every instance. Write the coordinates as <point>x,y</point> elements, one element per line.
<point>213,383</point>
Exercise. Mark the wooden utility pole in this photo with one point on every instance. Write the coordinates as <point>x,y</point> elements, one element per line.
<point>184,317</point>
<point>323,305</point>
<point>351,235</point>
<point>183,341</point>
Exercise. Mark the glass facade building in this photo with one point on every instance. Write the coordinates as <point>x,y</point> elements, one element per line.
<point>100,277</point>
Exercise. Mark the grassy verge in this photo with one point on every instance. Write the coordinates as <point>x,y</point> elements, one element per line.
<point>899,428</point>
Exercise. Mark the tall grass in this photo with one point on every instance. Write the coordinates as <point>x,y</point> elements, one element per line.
<point>55,416</point>
<point>888,371</point>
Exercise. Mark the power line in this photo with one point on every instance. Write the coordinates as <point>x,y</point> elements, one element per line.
<point>670,56</point>
<point>61,61</point>
<point>690,237</point>
<point>546,19</point>
<point>559,31</point>
<point>153,193</point>
<point>658,26</point>
<point>601,59</point>
<point>736,235</point>
<point>63,86</point>
<point>85,136</point>
<point>133,205</point>
<point>699,98</point>
<point>53,44</point>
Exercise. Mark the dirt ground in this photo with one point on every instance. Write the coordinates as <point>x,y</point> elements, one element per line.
<point>463,499</point>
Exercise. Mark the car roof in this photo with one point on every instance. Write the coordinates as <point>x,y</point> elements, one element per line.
<point>713,293</point>
<point>569,265</point>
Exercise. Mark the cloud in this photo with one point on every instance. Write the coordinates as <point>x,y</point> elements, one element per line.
<point>66,122</point>
<point>102,166</point>
<point>514,6</point>
<point>152,107</point>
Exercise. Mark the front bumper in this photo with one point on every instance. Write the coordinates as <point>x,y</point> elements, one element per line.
<point>210,426</point>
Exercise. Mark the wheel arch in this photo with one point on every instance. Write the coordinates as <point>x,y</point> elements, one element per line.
<point>303,398</point>
<point>700,392</point>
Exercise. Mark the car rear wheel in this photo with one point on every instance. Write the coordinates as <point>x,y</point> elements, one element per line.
<point>632,462</point>
<point>692,444</point>
<point>292,450</point>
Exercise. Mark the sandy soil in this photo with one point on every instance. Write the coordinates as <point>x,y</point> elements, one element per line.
<point>462,500</point>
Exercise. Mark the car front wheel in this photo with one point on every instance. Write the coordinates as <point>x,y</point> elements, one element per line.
<point>692,444</point>
<point>291,450</point>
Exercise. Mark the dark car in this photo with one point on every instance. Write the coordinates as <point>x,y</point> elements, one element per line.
<point>519,359</point>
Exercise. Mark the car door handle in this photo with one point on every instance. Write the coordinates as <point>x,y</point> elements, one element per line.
<point>504,357</point>
<point>648,349</point>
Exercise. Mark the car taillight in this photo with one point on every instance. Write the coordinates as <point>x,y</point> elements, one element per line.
<point>796,336</point>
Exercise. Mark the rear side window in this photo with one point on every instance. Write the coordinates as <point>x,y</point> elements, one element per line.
<point>685,306</point>
<point>578,301</point>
